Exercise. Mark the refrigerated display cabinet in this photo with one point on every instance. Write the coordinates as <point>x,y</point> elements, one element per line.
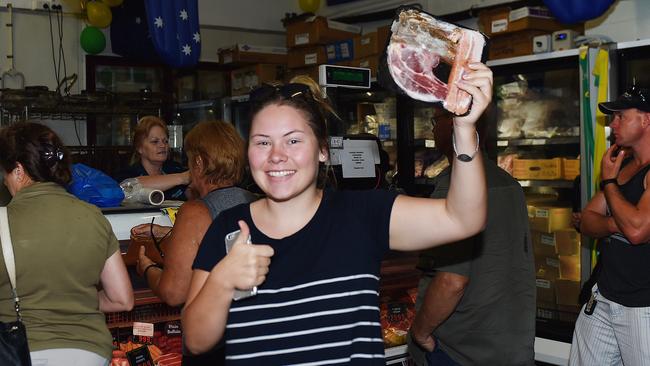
<point>633,61</point>
<point>537,133</point>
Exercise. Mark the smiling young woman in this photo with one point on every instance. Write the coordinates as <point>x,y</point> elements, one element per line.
<point>317,252</point>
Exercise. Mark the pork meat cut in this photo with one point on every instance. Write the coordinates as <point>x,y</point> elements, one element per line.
<point>418,44</point>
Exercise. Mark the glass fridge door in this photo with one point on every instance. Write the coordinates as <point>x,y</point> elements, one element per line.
<point>633,64</point>
<point>536,123</point>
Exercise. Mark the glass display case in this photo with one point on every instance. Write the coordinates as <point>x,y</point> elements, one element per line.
<point>535,131</point>
<point>633,61</point>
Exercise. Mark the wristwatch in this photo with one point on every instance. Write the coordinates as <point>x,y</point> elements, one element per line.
<point>605,182</point>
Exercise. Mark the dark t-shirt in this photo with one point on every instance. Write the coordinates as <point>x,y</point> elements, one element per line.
<point>494,323</point>
<point>320,300</point>
<point>624,276</point>
<point>169,167</point>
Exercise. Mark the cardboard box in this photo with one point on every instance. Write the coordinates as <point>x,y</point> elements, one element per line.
<point>249,54</point>
<point>366,45</point>
<point>383,36</point>
<point>567,242</point>
<point>371,62</point>
<point>543,244</point>
<point>308,56</point>
<point>318,30</point>
<point>567,292</point>
<point>570,168</point>
<point>569,267</point>
<point>559,242</point>
<point>545,291</point>
<point>546,310</point>
<point>547,267</point>
<point>549,219</point>
<point>497,21</point>
<point>340,51</point>
<point>543,169</point>
<point>529,11</point>
<point>245,79</point>
<point>512,44</point>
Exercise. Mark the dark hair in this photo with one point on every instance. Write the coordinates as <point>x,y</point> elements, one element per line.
<point>38,149</point>
<point>222,151</point>
<point>145,124</point>
<point>306,98</point>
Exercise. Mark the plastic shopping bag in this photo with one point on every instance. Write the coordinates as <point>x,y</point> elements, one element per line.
<point>93,186</point>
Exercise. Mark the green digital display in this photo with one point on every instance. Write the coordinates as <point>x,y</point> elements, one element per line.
<point>351,77</point>
<point>347,75</point>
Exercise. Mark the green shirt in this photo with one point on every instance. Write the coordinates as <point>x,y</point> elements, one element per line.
<point>61,244</point>
<point>494,322</point>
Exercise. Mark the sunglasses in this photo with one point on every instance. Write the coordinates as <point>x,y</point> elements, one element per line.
<point>157,242</point>
<point>287,91</point>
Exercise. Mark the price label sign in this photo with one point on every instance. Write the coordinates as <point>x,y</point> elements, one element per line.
<point>143,333</point>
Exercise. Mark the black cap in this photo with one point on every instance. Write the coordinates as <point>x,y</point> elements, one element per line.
<point>634,97</point>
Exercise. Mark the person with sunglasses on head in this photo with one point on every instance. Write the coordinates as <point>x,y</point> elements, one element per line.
<point>216,155</point>
<point>150,162</point>
<point>316,253</point>
<point>614,325</point>
<point>69,269</point>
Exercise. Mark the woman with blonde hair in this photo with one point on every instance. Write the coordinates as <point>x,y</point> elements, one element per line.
<point>150,162</point>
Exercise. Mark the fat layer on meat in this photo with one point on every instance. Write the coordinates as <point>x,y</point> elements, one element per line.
<point>418,44</point>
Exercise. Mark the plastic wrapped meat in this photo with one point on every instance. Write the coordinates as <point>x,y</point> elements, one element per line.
<point>418,44</point>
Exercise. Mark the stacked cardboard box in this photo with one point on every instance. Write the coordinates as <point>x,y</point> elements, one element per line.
<point>255,65</point>
<point>317,41</point>
<point>512,31</point>
<point>557,257</point>
<point>245,79</point>
<point>369,48</point>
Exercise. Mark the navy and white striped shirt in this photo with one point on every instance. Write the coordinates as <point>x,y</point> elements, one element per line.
<point>320,302</point>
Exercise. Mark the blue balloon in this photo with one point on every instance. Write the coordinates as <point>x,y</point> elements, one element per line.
<point>575,11</point>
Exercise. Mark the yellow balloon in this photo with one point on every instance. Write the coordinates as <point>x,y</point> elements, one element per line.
<point>99,14</point>
<point>309,6</point>
<point>113,3</point>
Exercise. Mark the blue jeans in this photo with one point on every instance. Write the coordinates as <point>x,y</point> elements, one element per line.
<point>438,357</point>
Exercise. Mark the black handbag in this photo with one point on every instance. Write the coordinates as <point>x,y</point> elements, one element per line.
<point>14,350</point>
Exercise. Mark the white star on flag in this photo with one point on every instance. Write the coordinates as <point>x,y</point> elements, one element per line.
<point>158,22</point>
<point>197,37</point>
<point>187,50</point>
<point>183,14</point>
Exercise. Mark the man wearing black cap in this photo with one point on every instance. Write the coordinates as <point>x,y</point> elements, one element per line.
<point>614,326</point>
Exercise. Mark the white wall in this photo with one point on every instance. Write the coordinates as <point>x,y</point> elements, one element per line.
<point>33,50</point>
<point>247,14</point>
<point>256,22</point>
<point>627,20</point>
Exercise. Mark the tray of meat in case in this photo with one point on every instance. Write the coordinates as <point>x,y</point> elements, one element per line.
<point>424,52</point>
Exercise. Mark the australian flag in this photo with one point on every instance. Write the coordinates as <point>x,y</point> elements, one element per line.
<point>174,28</point>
